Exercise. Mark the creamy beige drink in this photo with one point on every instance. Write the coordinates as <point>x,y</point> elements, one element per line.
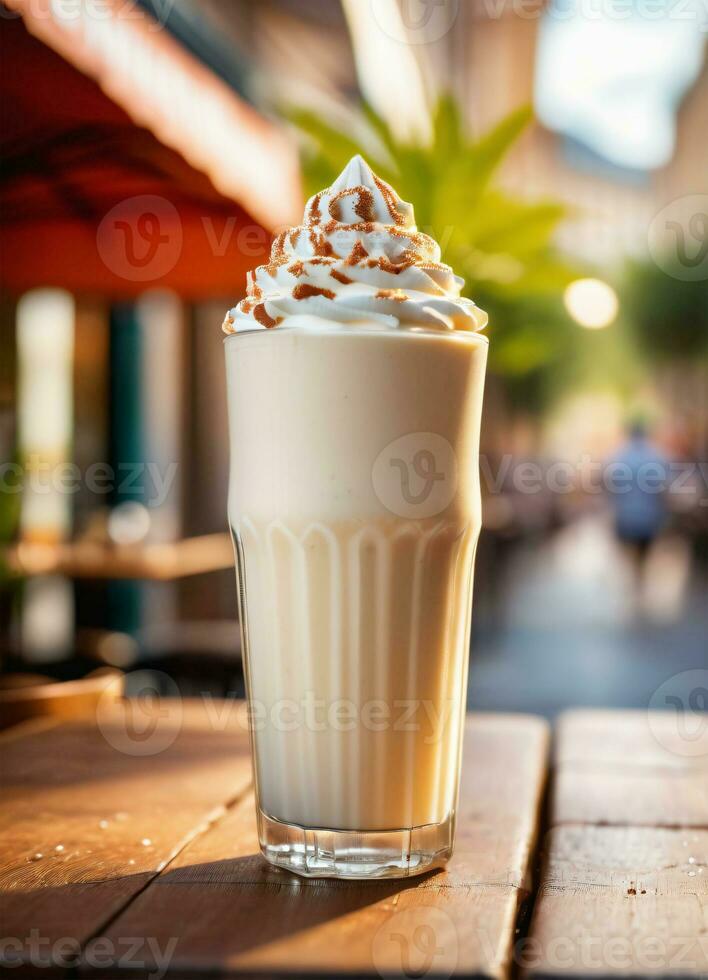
<point>355,386</point>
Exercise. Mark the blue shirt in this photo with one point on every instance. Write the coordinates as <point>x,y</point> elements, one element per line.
<point>636,480</point>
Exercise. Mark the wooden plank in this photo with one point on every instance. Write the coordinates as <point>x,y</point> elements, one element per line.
<point>633,767</point>
<point>91,812</point>
<point>624,888</point>
<point>504,776</point>
<point>621,900</point>
<point>641,799</point>
<point>638,739</point>
<point>220,909</point>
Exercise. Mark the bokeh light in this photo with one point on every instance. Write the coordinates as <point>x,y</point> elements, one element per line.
<point>591,302</point>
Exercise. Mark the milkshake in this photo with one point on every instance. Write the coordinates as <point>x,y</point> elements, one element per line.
<point>355,376</point>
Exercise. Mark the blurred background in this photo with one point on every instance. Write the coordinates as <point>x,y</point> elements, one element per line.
<point>557,151</point>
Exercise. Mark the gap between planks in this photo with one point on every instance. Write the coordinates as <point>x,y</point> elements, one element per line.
<point>210,821</point>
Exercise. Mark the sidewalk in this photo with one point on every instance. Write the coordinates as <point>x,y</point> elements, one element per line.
<point>571,633</point>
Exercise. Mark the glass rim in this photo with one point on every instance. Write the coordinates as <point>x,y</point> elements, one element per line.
<point>352,330</point>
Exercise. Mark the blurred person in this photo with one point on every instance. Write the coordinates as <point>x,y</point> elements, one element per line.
<point>636,480</point>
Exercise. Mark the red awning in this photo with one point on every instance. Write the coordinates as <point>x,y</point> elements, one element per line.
<point>92,201</point>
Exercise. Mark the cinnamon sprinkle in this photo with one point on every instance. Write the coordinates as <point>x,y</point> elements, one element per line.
<point>386,265</point>
<point>368,227</point>
<point>297,269</point>
<point>339,276</point>
<point>363,208</point>
<point>304,291</point>
<point>314,214</point>
<point>357,254</point>
<point>323,247</point>
<point>262,316</point>
<point>390,200</point>
<point>418,238</point>
<point>365,205</point>
<point>275,263</point>
<point>435,266</point>
<point>278,249</point>
<point>395,294</point>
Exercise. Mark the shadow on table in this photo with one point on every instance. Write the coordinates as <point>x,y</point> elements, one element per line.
<point>203,913</point>
<point>211,916</point>
<point>263,906</point>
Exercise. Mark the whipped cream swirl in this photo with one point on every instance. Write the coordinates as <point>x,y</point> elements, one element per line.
<point>358,258</point>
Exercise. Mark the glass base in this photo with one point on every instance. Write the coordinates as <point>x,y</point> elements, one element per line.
<point>315,852</point>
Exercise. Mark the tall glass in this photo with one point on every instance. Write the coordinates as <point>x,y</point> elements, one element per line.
<point>354,504</point>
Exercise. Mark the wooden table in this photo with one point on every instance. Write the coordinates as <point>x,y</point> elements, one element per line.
<point>625,880</point>
<point>130,850</point>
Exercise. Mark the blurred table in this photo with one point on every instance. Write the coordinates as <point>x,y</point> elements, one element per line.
<point>161,562</point>
<point>131,849</point>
